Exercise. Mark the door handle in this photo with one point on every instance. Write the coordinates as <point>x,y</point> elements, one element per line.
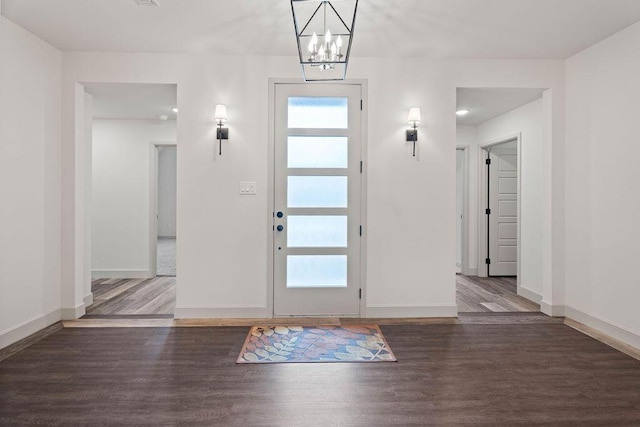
<point>280,227</point>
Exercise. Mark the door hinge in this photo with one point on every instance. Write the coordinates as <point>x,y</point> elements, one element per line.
<point>488,211</point>
<point>361,166</point>
<point>361,105</point>
<point>487,161</point>
<point>487,261</point>
<point>360,294</point>
<point>361,230</point>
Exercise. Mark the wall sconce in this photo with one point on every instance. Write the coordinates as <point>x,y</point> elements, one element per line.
<point>414,119</point>
<point>221,116</point>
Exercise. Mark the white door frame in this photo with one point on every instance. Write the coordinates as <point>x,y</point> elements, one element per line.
<point>482,202</point>
<point>153,203</point>
<point>465,208</point>
<point>272,177</point>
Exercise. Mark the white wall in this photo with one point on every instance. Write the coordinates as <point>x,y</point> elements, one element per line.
<point>602,176</point>
<point>120,194</point>
<point>410,201</point>
<point>30,137</point>
<point>167,162</point>
<point>528,121</point>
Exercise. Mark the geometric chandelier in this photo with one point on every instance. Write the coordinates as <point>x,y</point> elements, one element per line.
<point>324,32</point>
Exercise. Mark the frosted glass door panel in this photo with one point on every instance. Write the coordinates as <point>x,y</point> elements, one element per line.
<point>317,152</point>
<point>316,213</point>
<point>320,231</point>
<point>316,271</point>
<point>318,113</point>
<point>317,191</point>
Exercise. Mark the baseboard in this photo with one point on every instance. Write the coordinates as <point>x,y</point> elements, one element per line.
<point>120,274</point>
<point>467,271</point>
<point>552,310</point>
<point>444,310</point>
<point>530,295</point>
<point>28,327</point>
<point>166,237</point>
<point>627,337</point>
<point>72,313</point>
<point>221,312</point>
<point>88,299</point>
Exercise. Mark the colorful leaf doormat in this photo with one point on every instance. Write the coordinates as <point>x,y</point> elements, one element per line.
<point>297,344</point>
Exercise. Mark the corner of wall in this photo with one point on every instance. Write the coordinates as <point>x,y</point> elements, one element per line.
<point>552,310</point>
<point>72,313</point>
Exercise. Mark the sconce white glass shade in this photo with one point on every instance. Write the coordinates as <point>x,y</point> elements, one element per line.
<point>221,113</point>
<point>414,115</point>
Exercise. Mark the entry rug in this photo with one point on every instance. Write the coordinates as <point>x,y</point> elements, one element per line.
<point>298,344</point>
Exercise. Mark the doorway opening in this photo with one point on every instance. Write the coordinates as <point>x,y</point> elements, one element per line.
<point>130,185</point>
<point>502,135</point>
<point>165,213</point>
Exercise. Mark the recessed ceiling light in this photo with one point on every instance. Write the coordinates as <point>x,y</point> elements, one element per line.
<point>175,110</point>
<point>147,2</point>
<point>462,112</point>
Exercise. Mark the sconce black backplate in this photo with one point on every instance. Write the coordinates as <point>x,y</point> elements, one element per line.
<point>223,133</point>
<point>412,134</point>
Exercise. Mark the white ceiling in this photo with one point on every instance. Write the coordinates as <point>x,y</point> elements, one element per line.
<point>553,29</point>
<point>132,101</point>
<point>486,103</point>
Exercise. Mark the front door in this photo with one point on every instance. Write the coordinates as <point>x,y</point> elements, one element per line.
<point>316,215</point>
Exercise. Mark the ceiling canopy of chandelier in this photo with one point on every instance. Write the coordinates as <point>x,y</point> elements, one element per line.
<point>324,32</point>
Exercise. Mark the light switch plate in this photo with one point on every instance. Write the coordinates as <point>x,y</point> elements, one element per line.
<point>247,188</point>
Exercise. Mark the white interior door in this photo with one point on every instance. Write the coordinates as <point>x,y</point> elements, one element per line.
<point>316,217</point>
<point>503,202</point>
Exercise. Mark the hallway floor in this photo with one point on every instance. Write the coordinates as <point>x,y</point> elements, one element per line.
<point>490,294</point>
<point>133,297</point>
<point>156,297</point>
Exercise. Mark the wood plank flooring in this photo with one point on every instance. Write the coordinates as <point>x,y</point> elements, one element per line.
<point>155,296</point>
<point>490,294</point>
<point>539,374</point>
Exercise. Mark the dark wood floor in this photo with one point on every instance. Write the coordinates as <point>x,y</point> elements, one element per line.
<point>452,374</point>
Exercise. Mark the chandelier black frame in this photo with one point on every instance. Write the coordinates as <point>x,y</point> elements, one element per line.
<point>329,53</point>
